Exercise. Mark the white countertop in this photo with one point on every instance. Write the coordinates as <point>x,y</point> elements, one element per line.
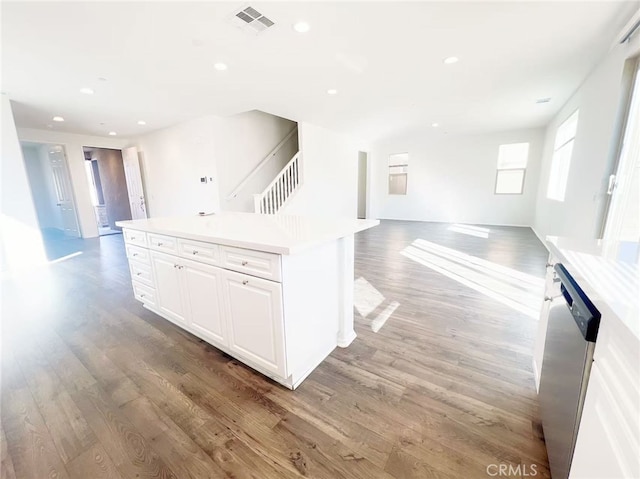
<point>281,234</point>
<point>607,272</point>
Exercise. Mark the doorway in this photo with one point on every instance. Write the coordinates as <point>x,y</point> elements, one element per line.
<point>105,173</point>
<point>50,183</point>
<point>362,184</point>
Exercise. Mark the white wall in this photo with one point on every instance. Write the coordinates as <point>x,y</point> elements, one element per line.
<point>73,144</point>
<point>598,99</point>
<point>329,174</point>
<point>172,161</point>
<point>225,149</point>
<point>452,179</point>
<point>20,240</point>
<point>241,142</point>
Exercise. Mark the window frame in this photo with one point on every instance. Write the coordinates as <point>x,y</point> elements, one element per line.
<point>555,158</point>
<point>405,174</point>
<point>523,169</point>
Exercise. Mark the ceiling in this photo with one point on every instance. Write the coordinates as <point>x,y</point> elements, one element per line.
<point>154,61</point>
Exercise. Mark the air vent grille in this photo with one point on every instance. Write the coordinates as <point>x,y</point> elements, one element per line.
<point>251,20</point>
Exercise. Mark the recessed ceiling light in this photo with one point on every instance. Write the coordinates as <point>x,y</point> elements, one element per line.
<point>332,91</point>
<point>57,118</point>
<point>451,60</point>
<point>142,122</point>
<point>112,133</point>
<point>301,27</point>
<point>87,91</point>
<point>435,125</point>
<point>220,66</point>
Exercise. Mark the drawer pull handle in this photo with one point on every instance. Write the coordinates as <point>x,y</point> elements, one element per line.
<point>160,243</point>
<point>142,295</point>
<point>135,254</point>
<point>175,265</point>
<point>245,282</point>
<point>139,273</point>
<point>195,251</point>
<point>244,263</point>
<point>133,237</point>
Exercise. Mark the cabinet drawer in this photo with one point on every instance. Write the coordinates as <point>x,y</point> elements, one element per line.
<point>135,237</point>
<point>167,244</point>
<point>141,272</point>
<point>255,263</point>
<point>144,293</point>
<point>138,254</point>
<point>198,251</point>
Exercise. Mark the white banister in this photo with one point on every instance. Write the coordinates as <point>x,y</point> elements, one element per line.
<point>278,192</point>
<point>259,166</point>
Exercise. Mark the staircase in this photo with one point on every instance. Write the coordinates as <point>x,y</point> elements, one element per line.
<point>281,189</point>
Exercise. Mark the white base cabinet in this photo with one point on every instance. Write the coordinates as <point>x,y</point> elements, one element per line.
<point>255,322</point>
<point>268,311</point>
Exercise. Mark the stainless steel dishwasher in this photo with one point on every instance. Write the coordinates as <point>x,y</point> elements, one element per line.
<point>568,355</point>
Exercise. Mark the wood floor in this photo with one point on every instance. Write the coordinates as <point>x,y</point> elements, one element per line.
<point>94,386</point>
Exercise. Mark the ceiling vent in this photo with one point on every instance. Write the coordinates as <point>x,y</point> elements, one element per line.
<point>251,20</point>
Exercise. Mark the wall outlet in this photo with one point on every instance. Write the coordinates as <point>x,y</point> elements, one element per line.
<point>203,179</point>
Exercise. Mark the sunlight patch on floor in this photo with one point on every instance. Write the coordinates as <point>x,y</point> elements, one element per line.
<point>518,290</point>
<point>470,230</point>
<point>366,299</point>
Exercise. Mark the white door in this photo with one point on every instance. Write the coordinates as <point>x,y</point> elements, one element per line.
<point>64,193</point>
<point>255,321</point>
<point>168,286</point>
<point>202,286</point>
<point>134,183</point>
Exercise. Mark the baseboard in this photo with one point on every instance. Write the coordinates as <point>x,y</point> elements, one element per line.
<point>540,238</point>
<point>512,225</point>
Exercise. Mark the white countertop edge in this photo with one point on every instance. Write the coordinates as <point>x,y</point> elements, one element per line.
<point>253,245</point>
<point>585,284</point>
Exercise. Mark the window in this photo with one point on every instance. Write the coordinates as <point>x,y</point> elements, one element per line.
<point>398,164</point>
<point>562,149</point>
<point>512,163</point>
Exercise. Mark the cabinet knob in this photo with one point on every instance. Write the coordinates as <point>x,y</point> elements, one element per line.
<point>195,251</point>
<point>175,265</point>
<point>246,281</point>
<point>160,243</point>
<point>244,263</point>
<point>133,237</point>
<point>142,295</point>
<point>135,254</point>
<point>139,273</point>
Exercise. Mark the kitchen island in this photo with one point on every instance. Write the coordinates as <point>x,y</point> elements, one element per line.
<point>273,291</point>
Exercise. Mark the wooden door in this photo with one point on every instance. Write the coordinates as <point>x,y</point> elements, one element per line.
<point>255,321</point>
<point>202,285</point>
<point>134,183</point>
<point>168,286</point>
<point>63,191</point>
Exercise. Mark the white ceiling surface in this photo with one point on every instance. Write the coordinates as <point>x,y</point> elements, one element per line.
<point>385,59</point>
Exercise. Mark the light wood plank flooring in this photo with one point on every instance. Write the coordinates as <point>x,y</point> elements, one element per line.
<point>95,386</point>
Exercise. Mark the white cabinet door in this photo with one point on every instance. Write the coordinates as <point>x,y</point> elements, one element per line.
<point>134,183</point>
<point>255,322</point>
<point>202,285</point>
<point>168,286</point>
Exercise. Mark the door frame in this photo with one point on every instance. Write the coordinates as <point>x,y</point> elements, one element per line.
<point>631,74</point>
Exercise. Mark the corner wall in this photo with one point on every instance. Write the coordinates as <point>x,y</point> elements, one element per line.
<point>451,178</point>
<point>20,240</point>
<point>329,174</point>
<point>594,150</point>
